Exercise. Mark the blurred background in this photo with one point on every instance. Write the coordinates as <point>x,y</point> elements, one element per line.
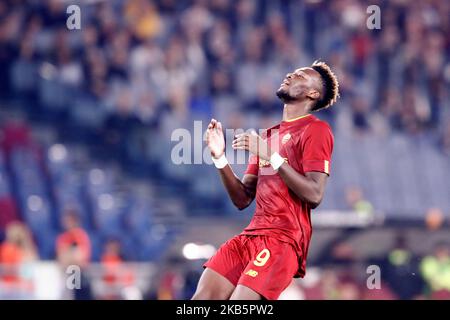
<point>86,118</point>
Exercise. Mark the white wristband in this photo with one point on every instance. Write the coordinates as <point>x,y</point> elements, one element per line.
<point>276,161</point>
<point>221,162</point>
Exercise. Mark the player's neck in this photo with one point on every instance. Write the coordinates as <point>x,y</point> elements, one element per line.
<point>294,111</point>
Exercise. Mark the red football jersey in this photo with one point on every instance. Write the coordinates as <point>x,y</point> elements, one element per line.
<point>307,144</point>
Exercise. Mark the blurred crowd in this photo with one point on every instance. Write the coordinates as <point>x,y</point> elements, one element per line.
<point>19,255</point>
<point>140,60</point>
<point>402,274</point>
<point>137,69</point>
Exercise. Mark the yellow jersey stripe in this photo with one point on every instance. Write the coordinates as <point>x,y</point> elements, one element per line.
<point>304,116</point>
<point>327,167</point>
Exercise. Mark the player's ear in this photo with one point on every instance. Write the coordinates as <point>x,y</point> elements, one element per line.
<point>313,94</point>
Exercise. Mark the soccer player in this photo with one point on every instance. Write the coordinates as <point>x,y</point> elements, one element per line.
<point>287,174</point>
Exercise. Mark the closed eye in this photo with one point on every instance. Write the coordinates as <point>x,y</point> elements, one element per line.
<point>301,75</point>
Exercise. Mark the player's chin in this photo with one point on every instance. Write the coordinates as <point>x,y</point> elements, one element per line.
<point>282,92</point>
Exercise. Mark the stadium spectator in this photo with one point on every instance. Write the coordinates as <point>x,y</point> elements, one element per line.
<point>434,219</point>
<point>170,285</point>
<point>112,254</point>
<point>435,270</point>
<point>73,246</point>
<point>401,270</point>
<point>143,18</point>
<point>18,246</point>
<point>348,288</point>
<point>116,275</point>
<point>342,253</point>
<point>16,251</point>
<point>355,200</point>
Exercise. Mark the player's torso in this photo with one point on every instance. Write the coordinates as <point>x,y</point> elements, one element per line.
<point>287,142</point>
<point>279,212</point>
<point>277,207</point>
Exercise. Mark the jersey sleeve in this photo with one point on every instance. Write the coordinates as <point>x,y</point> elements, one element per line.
<point>317,146</point>
<point>252,167</point>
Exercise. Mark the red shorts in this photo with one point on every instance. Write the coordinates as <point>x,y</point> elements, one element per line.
<point>261,263</point>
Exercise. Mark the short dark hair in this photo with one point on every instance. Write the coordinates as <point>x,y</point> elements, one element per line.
<point>330,84</point>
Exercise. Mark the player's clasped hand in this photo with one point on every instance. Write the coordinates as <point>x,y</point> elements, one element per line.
<point>215,139</point>
<point>253,143</point>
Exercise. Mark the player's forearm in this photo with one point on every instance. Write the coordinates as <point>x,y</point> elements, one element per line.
<point>305,188</point>
<point>238,192</point>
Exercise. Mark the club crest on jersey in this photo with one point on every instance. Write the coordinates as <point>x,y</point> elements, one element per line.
<point>285,138</point>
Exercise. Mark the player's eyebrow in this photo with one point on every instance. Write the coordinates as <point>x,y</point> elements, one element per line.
<point>301,73</point>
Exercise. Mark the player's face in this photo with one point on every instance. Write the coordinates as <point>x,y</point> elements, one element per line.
<point>296,84</point>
